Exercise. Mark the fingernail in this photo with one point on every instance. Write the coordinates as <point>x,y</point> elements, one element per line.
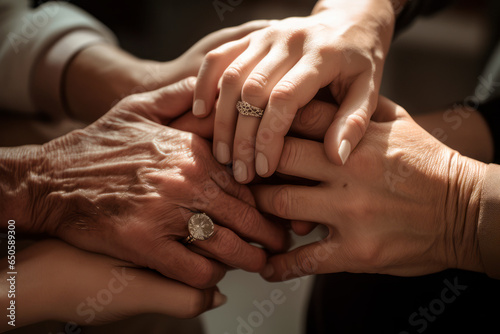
<point>268,271</point>
<point>261,164</point>
<point>222,153</point>
<point>219,299</point>
<point>199,108</point>
<point>240,171</point>
<point>344,150</point>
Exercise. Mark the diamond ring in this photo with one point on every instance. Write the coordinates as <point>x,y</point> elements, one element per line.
<point>200,228</point>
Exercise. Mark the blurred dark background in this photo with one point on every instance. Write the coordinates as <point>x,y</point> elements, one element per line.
<point>435,62</point>
<point>162,30</point>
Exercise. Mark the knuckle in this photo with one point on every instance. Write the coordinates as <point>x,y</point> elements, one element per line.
<point>244,149</point>
<point>296,36</point>
<point>214,56</point>
<point>205,275</point>
<point>223,124</point>
<point>284,91</point>
<point>249,218</point>
<point>362,209</point>
<point>327,50</point>
<point>291,151</point>
<point>232,76</point>
<point>305,263</point>
<point>358,122</point>
<point>228,245</point>
<point>281,202</point>
<point>310,116</point>
<point>255,85</point>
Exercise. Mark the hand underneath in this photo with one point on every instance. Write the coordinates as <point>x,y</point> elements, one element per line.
<point>126,186</point>
<point>281,68</point>
<point>404,204</point>
<point>92,289</point>
<point>101,75</point>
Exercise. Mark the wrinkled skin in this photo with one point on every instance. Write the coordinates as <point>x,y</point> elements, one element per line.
<point>404,204</point>
<point>126,186</point>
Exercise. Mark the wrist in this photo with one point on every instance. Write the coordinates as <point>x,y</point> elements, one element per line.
<point>98,77</point>
<point>463,204</point>
<point>22,182</point>
<point>37,286</point>
<point>369,18</point>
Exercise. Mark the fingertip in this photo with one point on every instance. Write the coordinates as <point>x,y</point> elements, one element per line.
<point>303,228</point>
<point>332,152</point>
<point>268,271</point>
<point>275,271</point>
<point>218,300</point>
<point>344,150</point>
<point>199,108</point>
<point>222,153</point>
<point>261,164</point>
<point>338,148</point>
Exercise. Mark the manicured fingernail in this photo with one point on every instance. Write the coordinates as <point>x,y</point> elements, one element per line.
<point>219,299</point>
<point>240,171</point>
<point>261,164</point>
<point>199,108</point>
<point>268,271</point>
<point>344,150</point>
<point>222,153</point>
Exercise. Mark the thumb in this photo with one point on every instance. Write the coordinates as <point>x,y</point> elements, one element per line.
<point>171,101</point>
<point>351,121</point>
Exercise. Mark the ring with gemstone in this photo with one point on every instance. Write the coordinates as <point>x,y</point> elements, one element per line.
<point>200,228</point>
<point>247,109</point>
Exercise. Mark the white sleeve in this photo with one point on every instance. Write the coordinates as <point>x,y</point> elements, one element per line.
<point>56,30</point>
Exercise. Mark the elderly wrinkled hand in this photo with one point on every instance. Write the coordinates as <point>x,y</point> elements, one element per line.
<point>404,204</point>
<point>126,186</point>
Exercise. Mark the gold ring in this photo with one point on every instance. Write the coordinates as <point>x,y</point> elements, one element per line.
<point>200,228</point>
<point>247,109</point>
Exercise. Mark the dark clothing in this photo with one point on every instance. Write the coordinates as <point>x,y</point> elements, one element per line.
<point>452,301</point>
<point>415,8</point>
<point>491,113</point>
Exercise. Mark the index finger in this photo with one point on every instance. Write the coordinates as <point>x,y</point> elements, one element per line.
<point>352,119</point>
<point>293,91</point>
<point>214,64</point>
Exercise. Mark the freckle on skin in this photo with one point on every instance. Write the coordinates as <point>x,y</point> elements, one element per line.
<point>345,185</point>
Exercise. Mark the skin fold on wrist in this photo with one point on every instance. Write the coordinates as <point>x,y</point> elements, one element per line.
<point>22,180</point>
<point>462,208</point>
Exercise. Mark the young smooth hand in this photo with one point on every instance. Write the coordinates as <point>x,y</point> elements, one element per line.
<point>279,69</point>
<point>61,282</point>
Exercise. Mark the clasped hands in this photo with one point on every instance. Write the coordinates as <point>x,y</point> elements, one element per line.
<point>129,182</point>
<point>126,185</point>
